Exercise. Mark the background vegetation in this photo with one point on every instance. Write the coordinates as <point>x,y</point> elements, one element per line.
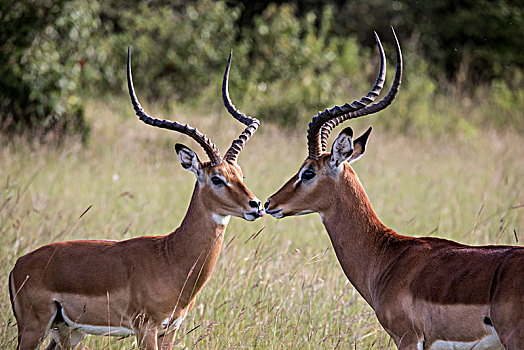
<point>445,159</point>
<point>463,58</point>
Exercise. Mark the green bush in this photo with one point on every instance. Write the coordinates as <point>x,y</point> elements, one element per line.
<point>296,69</point>
<point>43,55</point>
<point>290,61</point>
<point>176,51</point>
<point>287,67</point>
<point>504,102</point>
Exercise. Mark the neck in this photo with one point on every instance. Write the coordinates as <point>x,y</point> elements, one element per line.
<point>196,244</point>
<point>356,232</point>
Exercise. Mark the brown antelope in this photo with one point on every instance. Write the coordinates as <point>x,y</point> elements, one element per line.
<point>146,285</point>
<point>427,293</point>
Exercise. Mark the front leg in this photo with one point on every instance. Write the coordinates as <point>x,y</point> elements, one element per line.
<point>407,341</point>
<point>410,342</point>
<point>147,340</point>
<point>146,335</point>
<point>166,340</point>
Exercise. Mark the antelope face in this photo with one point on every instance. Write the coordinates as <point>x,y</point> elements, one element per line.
<point>324,173</point>
<point>219,181</point>
<point>222,187</point>
<point>300,193</point>
<point>309,190</point>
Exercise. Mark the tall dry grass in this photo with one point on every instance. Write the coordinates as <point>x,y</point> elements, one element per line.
<point>277,284</point>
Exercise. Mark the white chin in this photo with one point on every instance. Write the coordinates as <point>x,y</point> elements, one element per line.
<point>304,212</point>
<point>278,215</point>
<point>249,217</point>
<point>253,215</point>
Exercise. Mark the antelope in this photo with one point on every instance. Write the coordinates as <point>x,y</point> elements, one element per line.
<point>427,292</point>
<point>143,286</point>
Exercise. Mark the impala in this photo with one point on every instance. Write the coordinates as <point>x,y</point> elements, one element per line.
<point>427,293</point>
<point>146,285</point>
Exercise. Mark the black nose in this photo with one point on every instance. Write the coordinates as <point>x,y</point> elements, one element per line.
<point>254,204</point>
<point>266,205</point>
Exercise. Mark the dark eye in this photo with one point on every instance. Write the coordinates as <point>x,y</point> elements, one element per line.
<point>308,174</point>
<point>217,181</point>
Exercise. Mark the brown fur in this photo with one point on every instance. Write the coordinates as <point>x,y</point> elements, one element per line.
<point>136,283</point>
<point>420,288</point>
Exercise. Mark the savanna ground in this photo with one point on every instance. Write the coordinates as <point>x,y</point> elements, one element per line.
<point>277,284</point>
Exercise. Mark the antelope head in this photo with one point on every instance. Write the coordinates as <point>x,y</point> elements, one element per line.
<point>220,183</point>
<point>323,172</point>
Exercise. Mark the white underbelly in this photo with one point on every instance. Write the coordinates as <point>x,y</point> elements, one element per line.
<point>98,330</point>
<point>490,342</point>
<point>166,327</point>
<point>459,322</point>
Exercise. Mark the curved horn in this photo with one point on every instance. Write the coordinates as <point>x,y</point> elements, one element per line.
<point>252,123</point>
<point>208,146</point>
<point>322,124</point>
<point>356,105</point>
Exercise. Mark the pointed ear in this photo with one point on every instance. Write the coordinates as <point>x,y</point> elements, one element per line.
<point>189,160</point>
<point>359,146</point>
<point>342,147</point>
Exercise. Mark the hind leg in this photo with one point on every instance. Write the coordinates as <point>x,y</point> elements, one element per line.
<point>33,328</point>
<point>30,337</point>
<point>30,340</point>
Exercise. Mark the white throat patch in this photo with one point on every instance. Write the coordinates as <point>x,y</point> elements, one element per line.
<point>221,219</point>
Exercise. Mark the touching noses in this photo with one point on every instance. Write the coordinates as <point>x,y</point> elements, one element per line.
<point>277,213</point>
<point>256,204</point>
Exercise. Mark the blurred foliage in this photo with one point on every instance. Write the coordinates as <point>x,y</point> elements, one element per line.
<point>484,35</point>
<point>41,59</point>
<point>463,60</point>
<point>174,48</point>
<point>505,99</point>
<point>295,68</point>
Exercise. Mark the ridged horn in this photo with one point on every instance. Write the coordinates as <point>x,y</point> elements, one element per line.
<point>208,146</point>
<point>321,125</point>
<point>252,123</point>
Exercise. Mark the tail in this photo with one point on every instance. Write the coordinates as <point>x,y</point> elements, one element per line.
<point>11,293</point>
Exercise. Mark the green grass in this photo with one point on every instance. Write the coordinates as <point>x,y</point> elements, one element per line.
<point>282,288</point>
